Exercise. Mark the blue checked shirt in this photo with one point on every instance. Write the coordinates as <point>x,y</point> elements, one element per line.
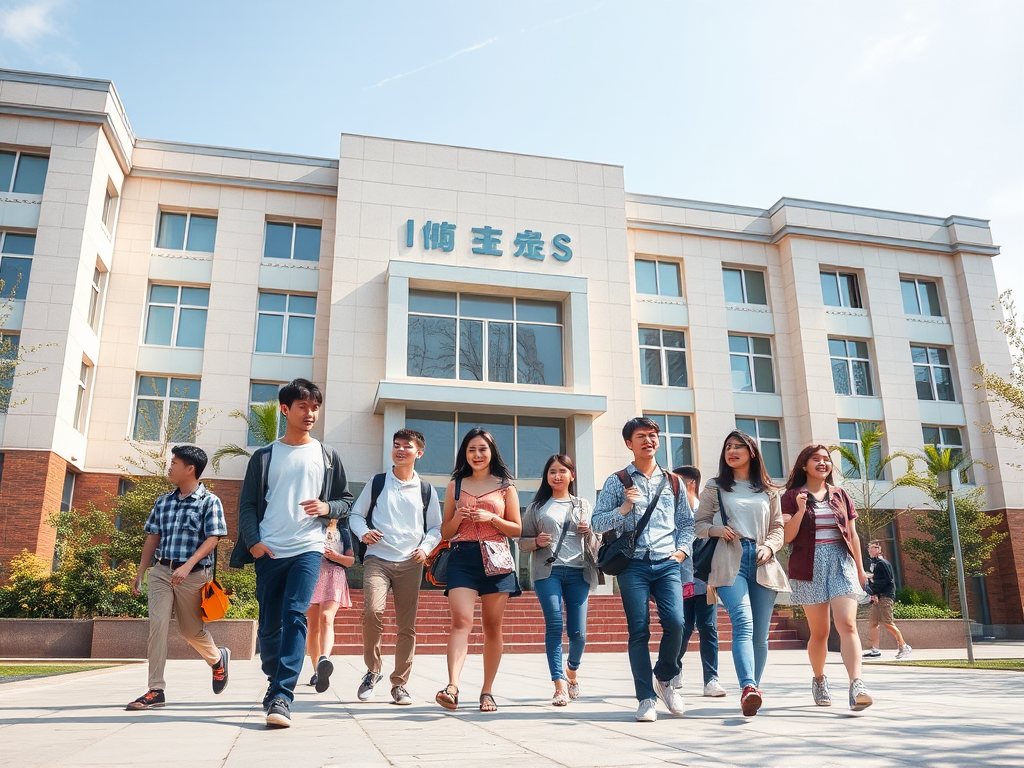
<point>184,523</point>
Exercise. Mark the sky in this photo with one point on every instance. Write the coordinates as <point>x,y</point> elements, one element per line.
<point>896,104</point>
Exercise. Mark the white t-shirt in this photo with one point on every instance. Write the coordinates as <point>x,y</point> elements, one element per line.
<point>296,475</point>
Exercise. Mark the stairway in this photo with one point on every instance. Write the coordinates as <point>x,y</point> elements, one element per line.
<point>524,627</point>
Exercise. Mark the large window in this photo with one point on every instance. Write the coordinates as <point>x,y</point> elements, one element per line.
<point>944,438</point>
<point>187,232</point>
<point>260,393</point>
<point>99,284</point>
<point>768,433</point>
<point>176,316</point>
<point>840,289</point>
<point>300,242</point>
<point>851,367</point>
<point>15,264</point>
<point>525,442</point>
<point>932,373</point>
<point>751,361</point>
<point>285,324</point>
<point>744,286</point>
<point>23,173</point>
<point>849,438</point>
<point>676,433</point>
<point>82,396</point>
<point>657,278</point>
<point>9,346</point>
<point>485,338</point>
<point>920,297</point>
<point>663,357</point>
<point>166,406</point>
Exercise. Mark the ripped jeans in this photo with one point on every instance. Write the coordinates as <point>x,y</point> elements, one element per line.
<point>568,586</point>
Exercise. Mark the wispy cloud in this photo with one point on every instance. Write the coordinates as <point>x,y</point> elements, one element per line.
<point>25,23</point>
<point>474,47</point>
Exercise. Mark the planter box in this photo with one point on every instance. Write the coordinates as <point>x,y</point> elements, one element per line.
<point>45,638</point>
<point>920,633</point>
<point>128,638</point>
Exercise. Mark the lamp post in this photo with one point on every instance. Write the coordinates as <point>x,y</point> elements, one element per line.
<point>946,482</point>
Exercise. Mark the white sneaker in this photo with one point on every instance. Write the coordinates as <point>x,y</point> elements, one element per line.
<point>677,681</point>
<point>670,696</point>
<point>903,652</point>
<point>715,689</point>
<point>647,712</point>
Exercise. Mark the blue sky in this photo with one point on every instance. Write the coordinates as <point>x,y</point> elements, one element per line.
<point>912,106</point>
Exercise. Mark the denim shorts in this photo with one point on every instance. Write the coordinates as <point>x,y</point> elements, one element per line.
<point>466,569</point>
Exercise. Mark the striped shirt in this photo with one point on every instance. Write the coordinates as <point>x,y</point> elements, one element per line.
<point>184,523</point>
<point>826,529</point>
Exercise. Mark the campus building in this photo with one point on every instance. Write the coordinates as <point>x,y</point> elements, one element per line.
<point>158,287</point>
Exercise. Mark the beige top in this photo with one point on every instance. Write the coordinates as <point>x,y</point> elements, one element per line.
<point>767,526</point>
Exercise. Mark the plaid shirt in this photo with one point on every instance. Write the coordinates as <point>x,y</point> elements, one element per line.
<point>185,523</point>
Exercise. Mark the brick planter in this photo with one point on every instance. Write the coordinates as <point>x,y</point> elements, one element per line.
<point>127,639</point>
<point>920,633</point>
<point>45,638</point>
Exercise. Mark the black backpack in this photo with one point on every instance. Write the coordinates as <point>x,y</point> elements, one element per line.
<point>376,488</point>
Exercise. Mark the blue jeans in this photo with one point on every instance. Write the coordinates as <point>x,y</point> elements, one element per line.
<point>569,586</point>
<point>697,613</point>
<point>642,580</point>
<point>750,608</point>
<point>284,586</point>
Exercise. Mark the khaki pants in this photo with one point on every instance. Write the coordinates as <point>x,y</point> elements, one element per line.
<point>403,579</point>
<point>186,600</point>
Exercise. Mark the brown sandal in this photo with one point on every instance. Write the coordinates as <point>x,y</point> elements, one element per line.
<point>492,707</point>
<point>446,699</point>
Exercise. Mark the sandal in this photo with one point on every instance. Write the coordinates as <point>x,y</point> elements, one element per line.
<point>489,705</point>
<point>560,699</point>
<point>447,699</point>
<point>574,689</point>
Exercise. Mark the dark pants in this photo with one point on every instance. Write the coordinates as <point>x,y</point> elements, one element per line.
<point>284,586</point>
<point>641,581</point>
<point>697,613</point>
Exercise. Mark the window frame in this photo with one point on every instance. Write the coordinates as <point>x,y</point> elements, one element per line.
<point>97,294</point>
<point>287,314</point>
<point>165,409</point>
<point>669,438</point>
<point>855,294</point>
<point>663,352</point>
<point>873,461</point>
<point>177,307</point>
<point>930,366</point>
<point>849,362</point>
<point>965,476</point>
<point>749,356</point>
<point>188,228</point>
<point>83,397</point>
<point>762,439</point>
<point>111,204</point>
<point>657,277</point>
<point>918,282</point>
<point>18,154</point>
<point>29,256</point>
<point>743,286</point>
<point>291,250</point>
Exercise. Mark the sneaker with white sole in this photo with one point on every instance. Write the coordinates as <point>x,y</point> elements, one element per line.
<point>647,712</point>
<point>670,696</point>
<point>714,689</point>
<point>903,652</point>
<point>370,679</point>
<point>820,693</point>
<point>859,696</point>
<point>279,714</point>
<point>677,681</point>
<point>874,653</point>
<point>400,696</point>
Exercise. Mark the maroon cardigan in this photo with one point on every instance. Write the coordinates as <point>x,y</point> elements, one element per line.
<point>801,560</point>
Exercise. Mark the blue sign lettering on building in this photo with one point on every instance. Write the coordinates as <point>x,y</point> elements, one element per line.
<point>529,244</point>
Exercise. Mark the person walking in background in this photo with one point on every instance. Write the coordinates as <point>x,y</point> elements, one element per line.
<point>825,568</point>
<point>697,613</point>
<point>563,567</point>
<point>745,573</point>
<point>330,594</point>
<point>882,588</point>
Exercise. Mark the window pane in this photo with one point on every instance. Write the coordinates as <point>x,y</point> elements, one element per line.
<point>929,299</point>
<point>943,384</point>
<point>747,426</point>
<point>682,452</point>
<point>847,430</point>
<point>538,311</point>
<point>187,388</point>
<point>769,428</point>
<point>6,170</point>
<point>269,332</point>
<point>938,356</point>
<point>848,286</point>
<point>273,302</point>
<point>659,455</point>
<point>830,289</point>
<point>148,418</point>
<point>31,175</point>
<point>500,357</point>
<point>761,345</point>
<point>679,425</point>
<point>307,243</point>
<point>772,453</point>
<point>195,297</point>
<point>152,386</point>
<point>191,328</point>
<point>431,348</point>
<point>841,377</point>
<point>471,350</point>
<point>924,382</point>
<point>202,232</point>
<point>931,435</point>
<point>676,364</point>
<point>733,280</point>
<point>182,417</point>
<point>755,287</point>
<point>739,344</point>
<point>172,231</point>
<point>501,429</point>
<point>862,378</point>
<point>15,273</point>
<point>919,354</point>
<point>650,337</point>
<point>658,419</point>
<point>837,347</point>
<point>764,380</point>
<point>674,339</point>
<point>163,294</point>
<point>668,279</point>
<point>650,366</point>
<point>263,393</point>
<point>539,352</point>
<point>22,245</point>
<point>302,305</point>
<point>646,277</point>
<point>432,302</point>
<point>493,307</point>
<point>159,325</point>
<point>277,243</point>
<point>741,381</point>
<point>860,349</point>
<point>300,335</point>
<point>537,440</point>
<point>910,305</point>
<point>438,430</point>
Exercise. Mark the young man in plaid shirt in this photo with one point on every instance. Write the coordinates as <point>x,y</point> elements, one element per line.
<point>182,531</point>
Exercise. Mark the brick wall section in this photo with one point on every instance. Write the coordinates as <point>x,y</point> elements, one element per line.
<point>227,491</point>
<point>30,491</point>
<point>1005,584</point>
<point>97,488</point>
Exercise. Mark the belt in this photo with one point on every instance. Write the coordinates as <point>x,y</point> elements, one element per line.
<point>175,565</point>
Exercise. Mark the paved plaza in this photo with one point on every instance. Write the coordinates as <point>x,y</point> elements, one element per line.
<point>923,716</point>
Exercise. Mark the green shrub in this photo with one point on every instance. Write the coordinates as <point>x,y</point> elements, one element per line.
<point>922,611</point>
<point>911,596</point>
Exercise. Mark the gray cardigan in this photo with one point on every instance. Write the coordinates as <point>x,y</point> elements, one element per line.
<point>539,569</point>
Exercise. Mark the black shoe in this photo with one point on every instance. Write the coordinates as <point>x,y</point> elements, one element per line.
<point>266,702</point>
<point>151,699</point>
<point>279,715</point>
<point>312,680</point>
<point>220,672</point>
<point>324,669</point>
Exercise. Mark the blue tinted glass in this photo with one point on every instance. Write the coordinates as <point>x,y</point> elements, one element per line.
<point>182,420</point>
<point>733,281</point>
<point>273,302</point>
<point>679,425</point>
<point>163,294</point>
<point>31,175</point>
<point>431,347</point>
<point>538,439</point>
<point>152,386</point>
<point>646,277</point>
<point>500,363</point>
<point>668,279</point>
<point>195,297</point>
<point>658,419</point>
<point>747,426</point>
<point>500,428</point>
<point>302,305</point>
<point>910,305</point>
<point>15,274</point>
<point>307,243</point>
<point>741,381</point>
<point>6,170</point>
<point>278,241</point>
<point>539,354</point>
<point>768,428</point>
<point>22,245</point>
<point>432,302</point>
<point>172,231</point>
<point>148,417</point>
<point>739,344</point>
<point>263,393</point>
<point>471,350</point>
<point>159,325</point>
<point>191,328</point>
<point>830,290</point>
<point>185,388</point>
<point>438,429</point>
<point>269,333</point>
<point>202,233</point>
<point>493,307</point>
<point>300,335</point>
<point>538,311</point>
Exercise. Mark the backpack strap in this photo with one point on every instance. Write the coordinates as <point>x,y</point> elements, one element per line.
<point>376,488</point>
<point>458,488</point>
<point>625,478</point>
<point>673,480</point>
<point>425,491</point>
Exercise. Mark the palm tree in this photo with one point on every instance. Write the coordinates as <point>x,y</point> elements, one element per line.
<point>263,421</point>
<point>866,469</point>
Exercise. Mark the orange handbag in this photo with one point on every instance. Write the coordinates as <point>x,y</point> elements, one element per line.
<point>215,599</point>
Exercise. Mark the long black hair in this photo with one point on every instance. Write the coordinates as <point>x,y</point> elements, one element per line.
<point>544,492</point>
<point>759,479</point>
<point>798,477</point>
<point>498,466</point>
